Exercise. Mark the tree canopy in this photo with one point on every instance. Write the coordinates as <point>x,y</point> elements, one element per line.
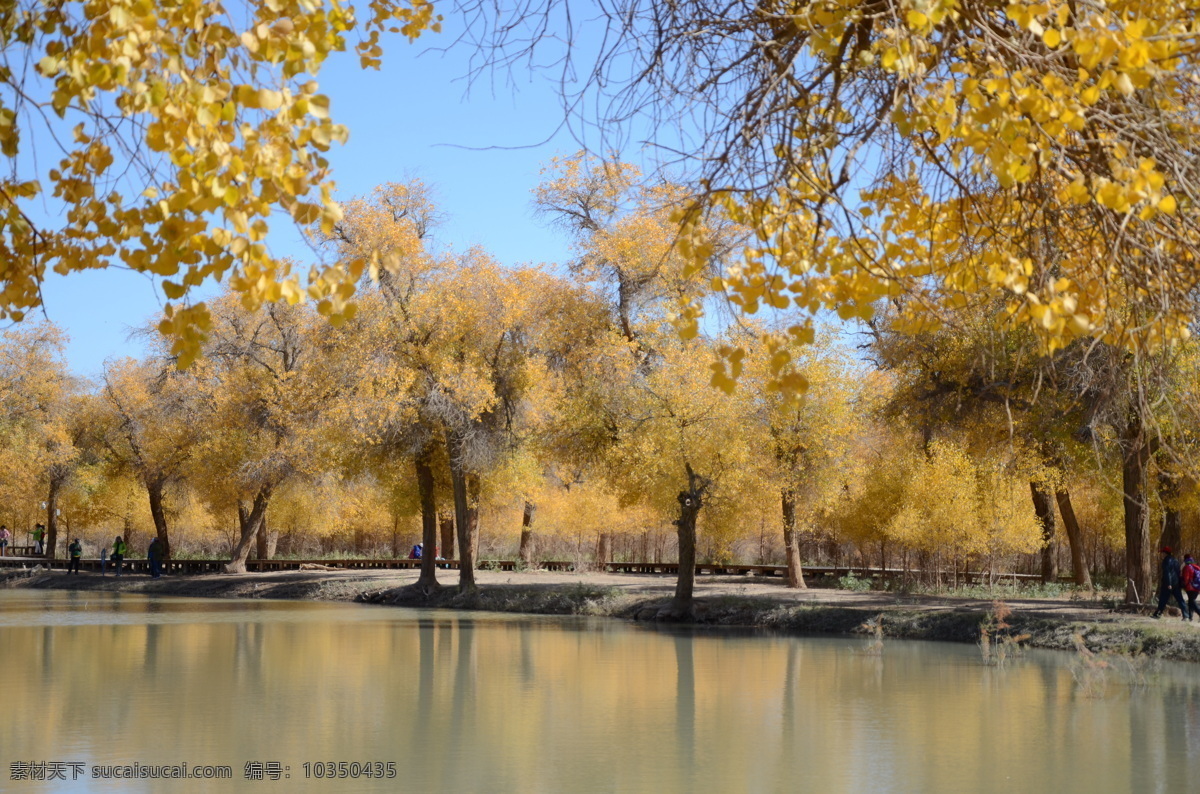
<point>174,130</point>
<point>474,406</point>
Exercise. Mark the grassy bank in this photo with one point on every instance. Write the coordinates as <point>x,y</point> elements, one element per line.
<point>768,607</point>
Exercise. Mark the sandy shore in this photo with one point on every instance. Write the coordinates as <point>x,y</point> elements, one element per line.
<point>720,601</point>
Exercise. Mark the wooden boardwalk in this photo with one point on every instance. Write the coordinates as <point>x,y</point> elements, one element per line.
<point>827,575</point>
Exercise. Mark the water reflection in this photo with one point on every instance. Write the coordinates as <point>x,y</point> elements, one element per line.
<point>685,702</point>
<point>466,702</point>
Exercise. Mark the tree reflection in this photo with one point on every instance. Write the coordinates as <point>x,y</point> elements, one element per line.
<point>685,701</point>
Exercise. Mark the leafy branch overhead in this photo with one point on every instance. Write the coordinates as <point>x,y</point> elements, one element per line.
<point>178,128</point>
<point>922,152</point>
<point>925,152</point>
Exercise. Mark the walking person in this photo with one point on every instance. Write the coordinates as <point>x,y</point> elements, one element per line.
<point>1191,583</point>
<point>39,532</point>
<point>118,552</point>
<point>1170,584</point>
<point>76,552</point>
<point>5,536</point>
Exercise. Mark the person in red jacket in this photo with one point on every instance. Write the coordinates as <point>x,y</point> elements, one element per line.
<point>1191,581</point>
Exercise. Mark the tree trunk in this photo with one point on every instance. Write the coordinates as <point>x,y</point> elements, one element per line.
<point>127,534</point>
<point>527,539</point>
<point>1134,454</point>
<point>464,520</point>
<point>603,550</point>
<point>1172,529</point>
<point>473,516</point>
<point>427,581</point>
<point>1172,521</point>
<point>791,540</point>
<point>155,490</point>
<point>446,524</point>
<point>1045,516</point>
<point>248,523</point>
<point>260,540</point>
<point>51,539</point>
<point>1079,568</point>
<point>287,540</point>
<point>463,524</point>
<point>690,502</point>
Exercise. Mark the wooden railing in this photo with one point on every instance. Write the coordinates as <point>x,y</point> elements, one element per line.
<point>812,574</point>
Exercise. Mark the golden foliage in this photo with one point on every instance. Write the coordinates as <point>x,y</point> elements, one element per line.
<point>195,124</point>
<point>1035,153</point>
<point>954,504</point>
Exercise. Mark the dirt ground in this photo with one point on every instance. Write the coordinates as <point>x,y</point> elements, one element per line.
<point>337,585</point>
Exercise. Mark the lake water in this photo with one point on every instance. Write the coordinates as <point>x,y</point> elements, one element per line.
<point>469,702</point>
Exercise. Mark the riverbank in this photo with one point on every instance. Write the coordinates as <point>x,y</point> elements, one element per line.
<point>748,602</point>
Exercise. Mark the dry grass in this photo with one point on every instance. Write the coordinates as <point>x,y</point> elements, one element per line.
<point>873,628</point>
<point>997,642</point>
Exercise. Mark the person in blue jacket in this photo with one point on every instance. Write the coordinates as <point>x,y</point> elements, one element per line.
<point>1171,584</point>
<point>154,557</point>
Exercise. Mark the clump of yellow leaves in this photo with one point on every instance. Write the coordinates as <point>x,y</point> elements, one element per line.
<point>1037,151</point>
<point>953,502</point>
<point>194,124</point>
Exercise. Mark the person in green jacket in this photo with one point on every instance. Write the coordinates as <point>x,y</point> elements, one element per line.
<point>118,554</point>
<point>39,532</point>
<point>76,551</point>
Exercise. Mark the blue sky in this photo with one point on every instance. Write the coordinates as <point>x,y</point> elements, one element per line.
<point>482,151</point>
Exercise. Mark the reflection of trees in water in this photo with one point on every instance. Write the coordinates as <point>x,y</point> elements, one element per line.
<point>48,633</point>
<point>525,639</point>
<point>791,672</point>
<point>150,657</point>
<point>1190,713</point>
<point>445,639</point>
<point>1167,730</point>
<point>467,703</point>
<point>462,707</point>
<point>1145,744</point>
<point>248,655</point>
<point>422,725</point>
<point>685,702</point>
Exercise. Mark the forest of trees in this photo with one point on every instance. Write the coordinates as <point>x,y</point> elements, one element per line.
<point>996,200</point>
<point>556,412</point>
